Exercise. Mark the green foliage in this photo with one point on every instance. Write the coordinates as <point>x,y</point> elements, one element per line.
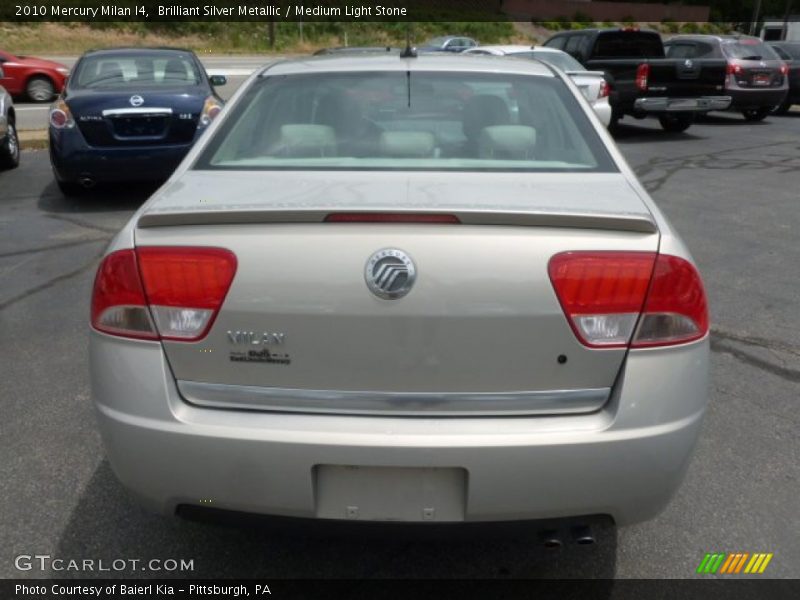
<point>253,36</point>
<point>669,26</point>
<point>690,27</point>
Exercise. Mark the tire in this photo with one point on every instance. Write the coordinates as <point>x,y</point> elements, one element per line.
<point>782,108</point>
<point>755,114</point>
<point>676,123</point>
<point>40,89</point>
<point>70,189</point>
<point>9,149</point>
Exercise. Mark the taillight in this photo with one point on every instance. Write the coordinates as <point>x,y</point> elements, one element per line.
<point>60,116</point>
<point>119,306</point>
<point>642,73</point>
<point>211,108</point>
<point>733,69</point>
<point>784,69</point>
<point>371,217</point>
<point>676,310</point>
<point>182,288</point>
<point>603,295</point>
<point>605,89</point>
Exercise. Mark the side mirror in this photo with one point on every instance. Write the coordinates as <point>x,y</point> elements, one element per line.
<point>218,80</point>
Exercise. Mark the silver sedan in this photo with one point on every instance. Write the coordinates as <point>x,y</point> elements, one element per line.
<point>592,84</point>
<point>9,140</point>
<point>420,289</point>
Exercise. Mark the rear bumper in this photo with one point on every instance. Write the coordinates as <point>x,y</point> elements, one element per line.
<point>756,98</point>
<point>625,460</point>
<point>72,158</point>
<point>664,104</point>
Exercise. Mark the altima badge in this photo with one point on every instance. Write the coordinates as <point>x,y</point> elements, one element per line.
<point>136,100</point>
<point>390,273</point>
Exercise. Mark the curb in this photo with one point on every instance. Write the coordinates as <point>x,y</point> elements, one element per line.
<point>33,139</point>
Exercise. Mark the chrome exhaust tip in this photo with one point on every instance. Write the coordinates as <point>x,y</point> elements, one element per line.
<point>551,540</point>
<point>582,535</point>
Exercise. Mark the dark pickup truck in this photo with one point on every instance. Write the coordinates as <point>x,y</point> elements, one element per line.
<point>643,82</point>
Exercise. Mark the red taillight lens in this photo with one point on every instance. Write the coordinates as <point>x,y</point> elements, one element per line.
<point>784,69</point>
<point>676,310</point>
<point>642,73</point>
<point>364,217</point>
<point>605,89</point>
<point>183,288</point>
<point>733,69</point>
<point>119,306</point>
<point>604,293</point>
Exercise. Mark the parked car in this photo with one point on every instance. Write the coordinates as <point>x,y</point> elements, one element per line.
<point>448,43</point>
<point>36,78</point>
<point>789,52</point>
<point>592,84</point>
<point>644,82</point>
<point>756,77</point>
<point>129,114</point>
<point>402,289</point>
<point>9,141</point>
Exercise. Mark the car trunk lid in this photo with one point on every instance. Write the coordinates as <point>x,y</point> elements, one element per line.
<point>481,330</point>
<point>125,119</point>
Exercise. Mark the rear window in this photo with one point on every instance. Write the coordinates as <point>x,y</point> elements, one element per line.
<point>132,71</point>
<point>791,51</point>
<point>749,49</point>
<point>628,44</point>
<point>559,60</point>
<point>407,121</point>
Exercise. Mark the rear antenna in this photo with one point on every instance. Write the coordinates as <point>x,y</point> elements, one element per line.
<point>408,51</point>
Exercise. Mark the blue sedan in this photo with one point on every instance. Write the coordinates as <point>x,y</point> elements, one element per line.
<point>129,115</point>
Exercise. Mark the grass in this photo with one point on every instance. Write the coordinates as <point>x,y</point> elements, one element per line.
<point>232,38</point>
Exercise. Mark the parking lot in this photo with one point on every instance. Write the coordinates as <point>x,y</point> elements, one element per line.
<point>730,188</point>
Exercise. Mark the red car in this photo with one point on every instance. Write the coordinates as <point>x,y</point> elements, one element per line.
<point>38,79</point>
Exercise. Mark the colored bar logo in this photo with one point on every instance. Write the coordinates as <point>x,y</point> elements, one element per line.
<point>733,563</point>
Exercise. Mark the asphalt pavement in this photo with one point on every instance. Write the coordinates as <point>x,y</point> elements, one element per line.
<point>730,188</point>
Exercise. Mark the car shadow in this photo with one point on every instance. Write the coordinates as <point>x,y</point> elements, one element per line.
<point>630,132</point>
<point>106,524</point>
<point>729,119</point>
<point>101,198</point>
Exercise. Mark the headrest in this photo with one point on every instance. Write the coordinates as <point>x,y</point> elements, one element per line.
<point>110,70</point>
<point>175,69</point>
<point>510,142</point>
<point>306,140</point>
<point>482,111</point>
<point>407,144</point>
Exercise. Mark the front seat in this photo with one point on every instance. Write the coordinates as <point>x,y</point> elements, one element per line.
<point>175,70</point>
<point>109,70</point>
<point>484,110</point>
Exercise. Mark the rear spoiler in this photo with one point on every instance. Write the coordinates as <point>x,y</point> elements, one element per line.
<point>635,222</point>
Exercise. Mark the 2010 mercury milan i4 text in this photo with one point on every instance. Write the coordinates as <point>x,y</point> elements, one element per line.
<point>402,289</point>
